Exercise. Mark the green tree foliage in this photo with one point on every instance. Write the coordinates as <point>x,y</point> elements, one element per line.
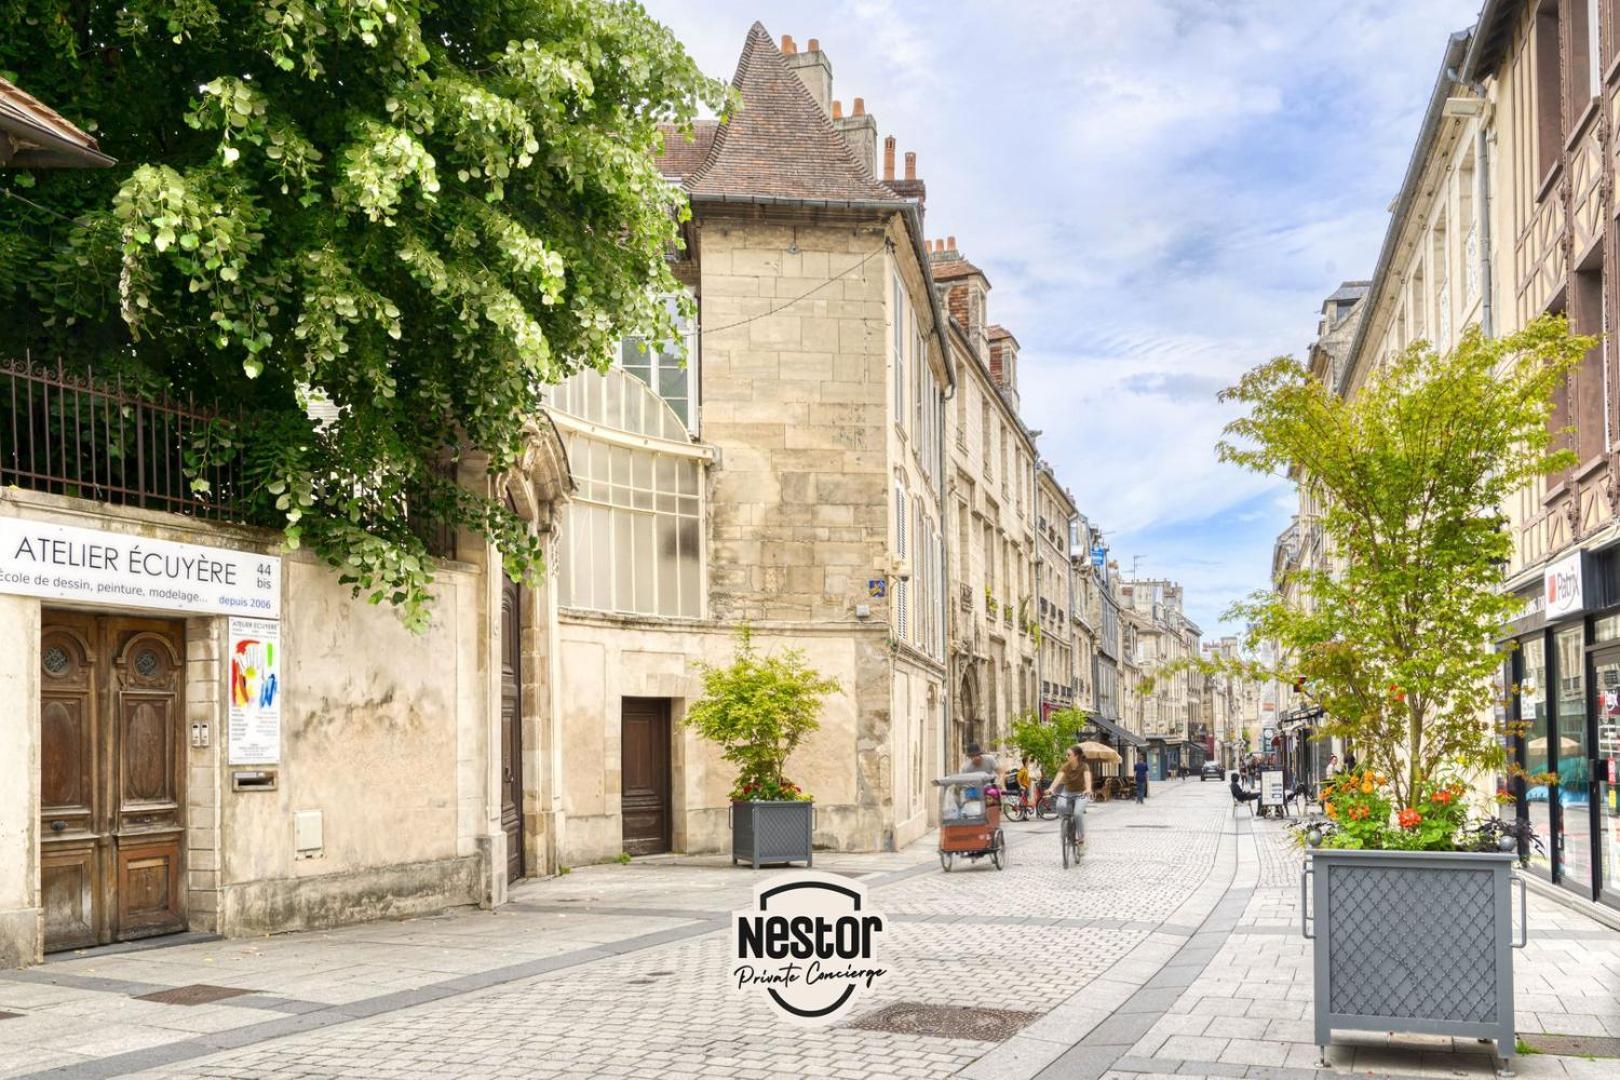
<point>419,212</point>
<point>1047,741</point>
<point>1412,470</point>
<point>758,709</point>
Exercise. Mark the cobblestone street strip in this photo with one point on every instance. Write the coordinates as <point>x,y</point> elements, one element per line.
<point>1178,937</point>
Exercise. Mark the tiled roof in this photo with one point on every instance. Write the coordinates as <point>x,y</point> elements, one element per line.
<point>682,155</point>
<point>951,269</point>
<point>33,135</point>
<point>778,143</point>
<point>997,332</point>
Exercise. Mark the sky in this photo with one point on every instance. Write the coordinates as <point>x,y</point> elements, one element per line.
<point>1161,192</point>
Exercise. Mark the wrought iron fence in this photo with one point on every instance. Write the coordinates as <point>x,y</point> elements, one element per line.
<point>70,434</point>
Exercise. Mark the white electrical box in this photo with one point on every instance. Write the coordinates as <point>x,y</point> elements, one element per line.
<point>307,841</point>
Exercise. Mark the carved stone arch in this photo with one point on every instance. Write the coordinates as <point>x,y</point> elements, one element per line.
<point>541,478</point>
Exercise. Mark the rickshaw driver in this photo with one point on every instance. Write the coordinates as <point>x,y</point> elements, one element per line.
<point>1074,780</point>
<point>977,762</point>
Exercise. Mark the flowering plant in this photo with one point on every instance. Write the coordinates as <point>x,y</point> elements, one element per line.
<point>1359,806</point>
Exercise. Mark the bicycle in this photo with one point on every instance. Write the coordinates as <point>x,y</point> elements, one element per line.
<point>1046,805</point>
<point>1074,845</point>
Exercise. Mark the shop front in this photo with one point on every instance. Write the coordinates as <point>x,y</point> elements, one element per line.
<point>1563,658</point>
<point>1111,732</point>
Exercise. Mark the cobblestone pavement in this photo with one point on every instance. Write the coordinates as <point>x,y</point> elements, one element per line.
<point>1176,938</point>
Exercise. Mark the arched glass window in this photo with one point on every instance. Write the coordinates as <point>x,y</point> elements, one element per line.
<point>632,535</point>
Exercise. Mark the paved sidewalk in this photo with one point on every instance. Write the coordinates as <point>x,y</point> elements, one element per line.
<point>1178,933</point>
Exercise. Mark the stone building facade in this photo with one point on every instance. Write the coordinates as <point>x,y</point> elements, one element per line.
<point>991,499</point>
<point>1172,710</point>
<point>1058,661</point>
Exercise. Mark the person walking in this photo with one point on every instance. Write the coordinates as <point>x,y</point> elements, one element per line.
<point>1141,771</point>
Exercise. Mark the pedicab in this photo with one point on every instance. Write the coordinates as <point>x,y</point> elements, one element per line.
<point>970,819</point>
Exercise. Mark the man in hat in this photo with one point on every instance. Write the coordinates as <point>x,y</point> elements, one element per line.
<point>979,761</point>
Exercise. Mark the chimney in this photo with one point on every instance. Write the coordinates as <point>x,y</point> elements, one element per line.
<point>859,129</point>
<point>911,187</point>
<point>813,69</point>
<point>888,158</point>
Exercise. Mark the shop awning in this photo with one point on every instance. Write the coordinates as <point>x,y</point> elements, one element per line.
<point>1115,732</point>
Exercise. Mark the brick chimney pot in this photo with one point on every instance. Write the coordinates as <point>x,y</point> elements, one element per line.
<point>911,165</point>
<point>788,48</point>
<point>838,109</point>
<point>860,106</point>
<point>888,158</point>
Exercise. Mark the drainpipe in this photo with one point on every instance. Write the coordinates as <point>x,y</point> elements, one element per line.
<point>945,606</point>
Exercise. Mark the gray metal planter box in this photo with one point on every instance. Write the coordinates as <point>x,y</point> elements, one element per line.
<point>771,832</point>
<point>1412,941</point>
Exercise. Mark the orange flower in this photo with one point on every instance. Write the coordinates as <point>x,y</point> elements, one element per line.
<point>1409,818</point>
<point>1330,810</point>
<point>1442,797</point>
<point>1366,787</point>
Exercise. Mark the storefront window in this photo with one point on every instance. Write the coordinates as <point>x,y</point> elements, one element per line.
<point>1533,714</point>
<point>1606,692</point>
<point>1574,776</point>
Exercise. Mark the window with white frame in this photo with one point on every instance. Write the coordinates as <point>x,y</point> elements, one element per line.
<point>902,592</point>
<point>669,370</point>
<point>632,534</point>
<point>899,349</point>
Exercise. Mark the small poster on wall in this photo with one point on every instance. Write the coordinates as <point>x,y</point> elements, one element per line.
<point>254,736</point>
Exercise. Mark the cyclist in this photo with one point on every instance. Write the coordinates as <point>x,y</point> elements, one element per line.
<point>1074,780</point>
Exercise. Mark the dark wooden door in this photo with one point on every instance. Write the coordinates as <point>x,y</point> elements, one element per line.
<point>644,804</point>
<point>112,772</point>
<point>512,726</point>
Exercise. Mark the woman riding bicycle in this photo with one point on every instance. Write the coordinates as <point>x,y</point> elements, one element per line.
<point>1074,781</point>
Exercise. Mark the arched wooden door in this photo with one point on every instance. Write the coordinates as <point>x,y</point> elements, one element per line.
<point>512,726</point>
<point>112,776</point>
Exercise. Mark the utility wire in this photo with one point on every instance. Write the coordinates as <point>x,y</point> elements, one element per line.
<point>802,296</point>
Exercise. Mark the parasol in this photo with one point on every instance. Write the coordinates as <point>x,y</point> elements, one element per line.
<point>1096,751</point>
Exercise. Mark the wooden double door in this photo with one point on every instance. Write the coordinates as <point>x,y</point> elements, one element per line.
<point>112,778</point>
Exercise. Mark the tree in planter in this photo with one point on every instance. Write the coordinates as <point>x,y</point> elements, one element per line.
<point>758,709</point>
<point>1412,471</point>
<point>418,214</point>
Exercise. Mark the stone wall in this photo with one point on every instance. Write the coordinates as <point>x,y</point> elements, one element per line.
<point>606,658</point>
<point>377,726</point>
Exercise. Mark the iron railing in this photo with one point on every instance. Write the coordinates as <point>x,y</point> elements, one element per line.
<point>70,434</point>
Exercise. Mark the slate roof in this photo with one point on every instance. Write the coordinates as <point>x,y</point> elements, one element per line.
<point>1349,290</point>
<point>778,143</point>
<point>32,135</point>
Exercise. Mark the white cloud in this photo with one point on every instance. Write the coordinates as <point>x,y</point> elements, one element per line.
<point>1162,192</point>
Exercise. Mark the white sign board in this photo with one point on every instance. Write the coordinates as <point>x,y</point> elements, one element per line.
<point>1271,787</point>
<point>64,562</point>
<point>1562,586</point>
<point>254,724</point>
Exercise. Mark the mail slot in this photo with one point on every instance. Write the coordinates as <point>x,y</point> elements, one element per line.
<point>253,780</point>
